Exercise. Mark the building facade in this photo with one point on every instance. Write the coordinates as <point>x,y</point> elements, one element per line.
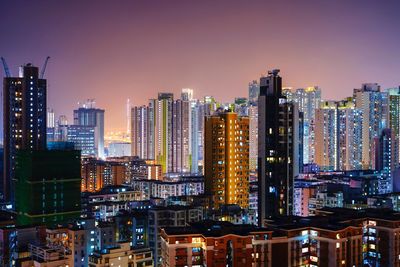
<point>374,106</point>
<point>278,149</point>
<point>24,119</point>
<point>47,186</point>
<point>89,116</point>
<point>226,159</point>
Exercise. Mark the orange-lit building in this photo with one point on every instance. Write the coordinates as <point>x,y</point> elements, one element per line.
<point>226,159</point>
<point>92,175</point>
<point>99,173</point>
<point>146,169</point>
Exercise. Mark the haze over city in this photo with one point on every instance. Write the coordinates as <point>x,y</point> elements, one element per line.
<point>113,51</point>
<point>200,133</point>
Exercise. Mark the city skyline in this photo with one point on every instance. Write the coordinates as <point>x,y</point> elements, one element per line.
<point>216,51</point>
<point>188,133</point>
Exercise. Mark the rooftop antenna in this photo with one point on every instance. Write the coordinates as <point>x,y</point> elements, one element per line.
<point>6,69</point>
<point>44,67</point>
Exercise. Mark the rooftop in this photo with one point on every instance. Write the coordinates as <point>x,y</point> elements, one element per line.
<point>210,228</point>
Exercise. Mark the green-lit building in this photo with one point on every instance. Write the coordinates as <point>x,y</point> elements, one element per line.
<point>47,186</point>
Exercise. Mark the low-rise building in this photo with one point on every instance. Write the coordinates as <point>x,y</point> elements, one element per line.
<point>43,256</point>
<point>213,243</point>
<point>333,237</point>
<point>163,189</point>
<point>121,254</point>
<point>160,217</point>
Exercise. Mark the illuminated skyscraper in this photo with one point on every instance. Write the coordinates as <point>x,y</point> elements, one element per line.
<point>89,116</point>
<point>181,137</point>
<point>350,136</point>
<point>394,115</point>
<point>197,122</point>
<point>226,159</point>
<point>151,129</point>
<point>374,106</point>
<point>163,131</point>
<point>338,136</point>
<point>308,100</point>
<point>386,159</point>
<point>253,137</point>
<point>326,136</point>
<point>139,132</point>
<point>24,119</point>
<point>278,147</point>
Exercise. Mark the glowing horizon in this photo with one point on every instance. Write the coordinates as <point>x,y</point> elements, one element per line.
<point>111,52</point>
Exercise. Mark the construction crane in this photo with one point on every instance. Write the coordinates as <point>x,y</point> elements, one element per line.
<point>44,68</point>
<point>6,69</point>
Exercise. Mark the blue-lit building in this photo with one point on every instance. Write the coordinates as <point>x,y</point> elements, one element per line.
<point>90,117</point>
<point>386,159</point>
<point>83,138</point>
<point>374,106</point>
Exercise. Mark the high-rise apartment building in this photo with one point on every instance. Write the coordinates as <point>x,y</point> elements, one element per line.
<point>326,136</point>
<point>338,136</point>
<point>139,132</point>
<point>24,120</point>
<point>350,136</point>
<point>394,115</point>
<point>226,159</point>
<point>308,100</point>
<point>278,148</point>
<point>386,159</point>
<point>181,137</point>
<point>197,136</point>
<point>253,138</point>
<point>88,115</point>
<point>164,130</point>
<point>374,106</point>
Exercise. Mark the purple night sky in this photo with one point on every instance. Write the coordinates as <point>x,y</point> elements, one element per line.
<point>114,50</point>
